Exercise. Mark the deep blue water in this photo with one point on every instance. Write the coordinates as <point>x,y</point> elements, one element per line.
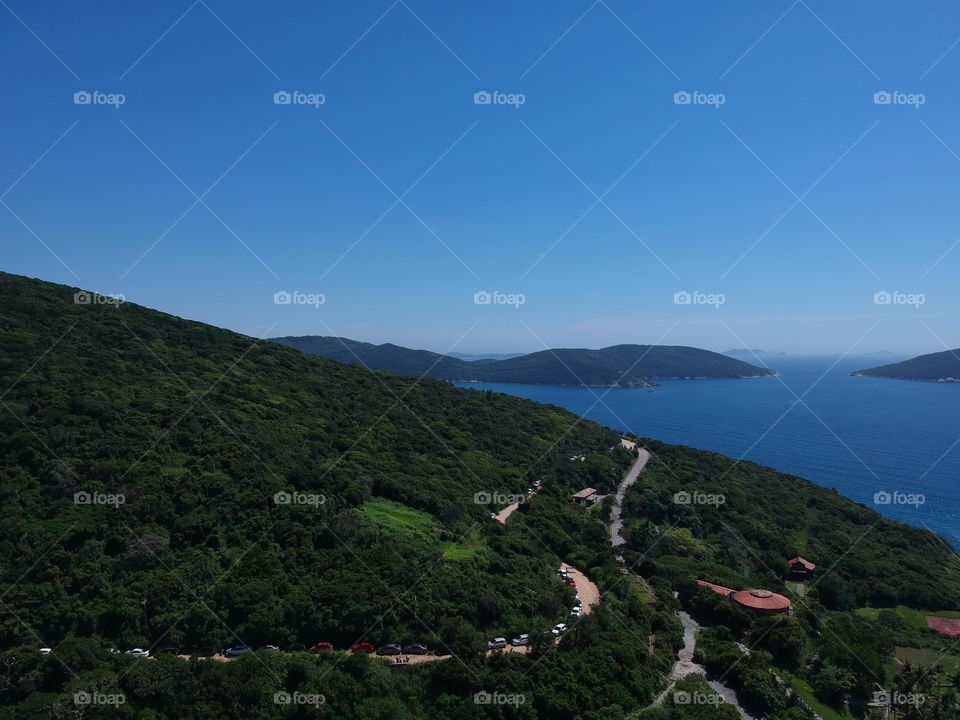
<point>861,436</point>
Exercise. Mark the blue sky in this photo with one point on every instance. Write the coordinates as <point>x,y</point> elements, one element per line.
<point>783,189</point>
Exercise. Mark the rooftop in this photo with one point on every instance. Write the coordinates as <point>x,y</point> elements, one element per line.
<point>585,493</point>
<point>762,600</point>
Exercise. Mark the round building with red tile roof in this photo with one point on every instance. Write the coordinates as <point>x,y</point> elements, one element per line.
<point>762,601</point>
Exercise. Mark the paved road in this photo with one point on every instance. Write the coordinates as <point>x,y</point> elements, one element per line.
<point>616,523</point>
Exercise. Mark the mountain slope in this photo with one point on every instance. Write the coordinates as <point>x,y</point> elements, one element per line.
<point>198,429</point>
<point>625,365</point>
<point>170,483</point>
<point>940,367</point>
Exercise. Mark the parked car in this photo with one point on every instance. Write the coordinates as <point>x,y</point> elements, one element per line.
<point>204,651</point>
<point>297,647</point>
<point>167,650</point>
<point>391,649</point>
<point>45,651</point>
<point>363,647</point>
<point>138,652</point>
<point>571,582</point>
<point>497,643</point>
<point>269,648</point>
<point>493,516</point>
<point>237,651</point>
<point>529,491</point>
<point>415,649</point>
<point>576,612</point>
<point>321,647</point>
<point>521,640</point>
<point>559,629</point>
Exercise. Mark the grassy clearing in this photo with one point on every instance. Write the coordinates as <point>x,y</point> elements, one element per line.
<point>913,618</point>
<point>805,692</point>
<point>927,657</point>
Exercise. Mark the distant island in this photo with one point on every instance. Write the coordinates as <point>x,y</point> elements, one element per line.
<point>616,366</point>
<point>748,353</point>
<point>934,367</point>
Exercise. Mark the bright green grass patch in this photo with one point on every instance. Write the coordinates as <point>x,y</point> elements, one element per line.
<point>399,519</point>
<point>912,617</point>
<point>470,546</point>
<point>805,692</point>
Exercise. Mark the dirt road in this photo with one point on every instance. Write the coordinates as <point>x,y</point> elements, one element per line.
<point>588,591</point>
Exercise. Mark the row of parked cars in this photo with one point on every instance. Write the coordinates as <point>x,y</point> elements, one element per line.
<point>499,643</point>
<point>235,651</point>
<point>559,629</point>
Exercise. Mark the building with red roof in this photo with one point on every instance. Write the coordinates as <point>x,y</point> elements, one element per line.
<point>762,601</point>
<point>800,567</point>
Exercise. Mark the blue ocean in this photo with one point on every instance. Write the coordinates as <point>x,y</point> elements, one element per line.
<point>889,444</point>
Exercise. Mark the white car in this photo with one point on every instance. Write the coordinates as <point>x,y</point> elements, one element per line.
<point>138,653</point>
<point>497,643</point>
<point>521,640</point>
<point>45,651</point>
<point>576,611</point>
<point>559,629</point>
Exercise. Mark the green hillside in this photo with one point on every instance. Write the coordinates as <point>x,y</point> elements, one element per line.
<point>173,485</point>
<point>940,367</point>
<point>621,365</point>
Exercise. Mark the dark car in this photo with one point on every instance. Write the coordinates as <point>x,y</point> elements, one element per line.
<point>321,647</point>
<point>415,649</point>
<point>297,647</point>
<point>363,647</point>
<point>269,649</point>
<point>204,651</point>
<point>167,650</point>
<point>237,651</point>
<point>391,649</point>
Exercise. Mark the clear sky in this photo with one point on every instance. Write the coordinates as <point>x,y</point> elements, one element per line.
<point>783,188</point>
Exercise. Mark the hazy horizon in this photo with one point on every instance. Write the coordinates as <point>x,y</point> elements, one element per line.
<point>774,176</point>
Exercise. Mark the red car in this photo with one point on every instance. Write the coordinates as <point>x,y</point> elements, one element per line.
<point>321,647</point>
<point>363,647</point>
<point>571,583</point>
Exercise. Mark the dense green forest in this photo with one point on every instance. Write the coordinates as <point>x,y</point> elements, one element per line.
<point>940,366</point>
<point>623,365</point>
<point>173,485</point>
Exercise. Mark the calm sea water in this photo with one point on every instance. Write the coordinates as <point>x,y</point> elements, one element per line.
<point>859,435</point>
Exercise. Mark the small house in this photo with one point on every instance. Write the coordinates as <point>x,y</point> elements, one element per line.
<point>586,497</point>
<point>800,568</point>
